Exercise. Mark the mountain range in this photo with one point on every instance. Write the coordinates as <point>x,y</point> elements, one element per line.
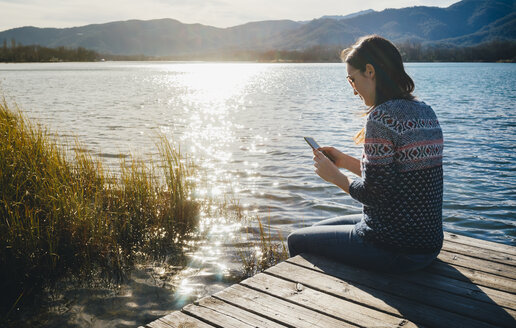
<point>465,23</point>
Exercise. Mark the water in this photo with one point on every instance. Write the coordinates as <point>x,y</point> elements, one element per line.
<point>244,123</point>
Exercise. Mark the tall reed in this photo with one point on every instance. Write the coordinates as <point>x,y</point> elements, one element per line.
<point>62,214</point>
<point>257,256</point>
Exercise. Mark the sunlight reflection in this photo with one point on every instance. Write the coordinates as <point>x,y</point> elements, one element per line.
<point>185,288</point>
<point>210,259</point>
<point>213,99</point>
<point>218,82</point>
<point>207,124</point>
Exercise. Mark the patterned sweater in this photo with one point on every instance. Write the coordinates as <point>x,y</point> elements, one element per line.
<point>401,187</point>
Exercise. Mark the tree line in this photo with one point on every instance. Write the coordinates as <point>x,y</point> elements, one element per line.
<point>492,51</point>
<point>35,53</point>
<point>411,51</point>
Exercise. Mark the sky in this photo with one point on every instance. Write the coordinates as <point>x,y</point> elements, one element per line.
<point>219,13</point>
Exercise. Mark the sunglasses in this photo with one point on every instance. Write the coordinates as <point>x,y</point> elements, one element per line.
<point>351,80</point>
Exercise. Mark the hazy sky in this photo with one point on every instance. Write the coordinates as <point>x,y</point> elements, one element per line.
<point>220,13</point>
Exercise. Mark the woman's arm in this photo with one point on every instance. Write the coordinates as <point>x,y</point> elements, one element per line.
<point>381,180</point>
<point>343,160</point>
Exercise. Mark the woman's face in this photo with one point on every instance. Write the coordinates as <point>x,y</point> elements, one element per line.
<point>363,83</point>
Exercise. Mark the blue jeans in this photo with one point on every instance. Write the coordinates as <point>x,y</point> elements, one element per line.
<point>337,239</point>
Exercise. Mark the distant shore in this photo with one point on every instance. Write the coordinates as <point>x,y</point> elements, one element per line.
<point>494,51</point>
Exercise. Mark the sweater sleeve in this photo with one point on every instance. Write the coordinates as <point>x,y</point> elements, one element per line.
<point>377,187</point>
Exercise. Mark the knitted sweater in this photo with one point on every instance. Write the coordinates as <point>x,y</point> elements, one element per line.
<point>401,187</point>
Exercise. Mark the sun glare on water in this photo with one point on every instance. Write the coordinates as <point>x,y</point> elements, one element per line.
<point>217,83</point>
<point>213,104</point>
<point>214,96</point>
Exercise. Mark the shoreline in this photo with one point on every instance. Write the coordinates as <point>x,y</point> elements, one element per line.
<point>243,61</point>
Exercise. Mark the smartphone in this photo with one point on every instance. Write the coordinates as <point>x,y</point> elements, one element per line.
<point>315,145</point>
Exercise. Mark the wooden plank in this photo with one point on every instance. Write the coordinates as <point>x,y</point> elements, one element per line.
<point>357,286</point>
<point>237,313</point>
<point>478,264</point>
<point>463,288</point>
<point>481,253</point>
<point>178,320</point>
<point>214,317</point>
<point>472,284</point>
<point>394,284</point>
<point>489,245</point>
<point>159,324</point>
<point>473,276</point>
<point>319,301</point>
<point>277,309</point>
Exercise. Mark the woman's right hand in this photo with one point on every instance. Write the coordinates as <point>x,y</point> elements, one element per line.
<point>342,160</point>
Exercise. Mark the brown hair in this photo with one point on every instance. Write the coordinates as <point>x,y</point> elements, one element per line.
<point>392,82</point>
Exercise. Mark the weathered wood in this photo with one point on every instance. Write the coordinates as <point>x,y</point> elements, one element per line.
<point>478,264</point>
<point>326,303</point>
<point>213,316</point>
<point>489,245</point>
<point>462,288</point>
<point>277,309</point>
<point>243,316</point>
<point>178,320</point>
<point>480,253</point>
<point>472,275</point>
<point>158,324</point>
<point>417,303</point>
<point>471,284</point>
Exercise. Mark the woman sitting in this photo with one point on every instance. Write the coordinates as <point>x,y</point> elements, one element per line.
<point>400,183</point>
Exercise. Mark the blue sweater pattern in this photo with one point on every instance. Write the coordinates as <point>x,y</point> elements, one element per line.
<point>401,188</point>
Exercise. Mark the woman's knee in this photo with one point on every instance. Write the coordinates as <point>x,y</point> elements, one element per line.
<point>291,241</point>
<point>295,241</point>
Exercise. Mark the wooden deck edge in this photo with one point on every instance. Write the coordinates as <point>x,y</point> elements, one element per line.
<point>473,262</point>
<point>480,243</point>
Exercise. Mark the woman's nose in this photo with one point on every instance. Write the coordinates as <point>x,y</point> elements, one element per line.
<point>355,92</point>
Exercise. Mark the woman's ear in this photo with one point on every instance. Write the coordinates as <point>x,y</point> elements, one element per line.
<point>369,71</point>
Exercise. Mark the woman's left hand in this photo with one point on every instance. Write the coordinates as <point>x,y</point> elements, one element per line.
<point>325,168</point>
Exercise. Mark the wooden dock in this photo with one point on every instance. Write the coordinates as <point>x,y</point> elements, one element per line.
<point>472,284</point>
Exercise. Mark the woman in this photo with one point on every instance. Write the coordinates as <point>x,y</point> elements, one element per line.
<point>400,174</point>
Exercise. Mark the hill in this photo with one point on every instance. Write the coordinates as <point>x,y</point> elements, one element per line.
<point>465,23</point>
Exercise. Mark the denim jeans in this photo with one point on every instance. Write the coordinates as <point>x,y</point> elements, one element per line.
<point>337,239</point>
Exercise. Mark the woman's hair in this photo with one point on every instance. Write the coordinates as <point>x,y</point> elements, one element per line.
<point>392,82</point>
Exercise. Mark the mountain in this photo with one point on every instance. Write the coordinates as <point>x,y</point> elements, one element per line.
<point>337,17</point>
<point>465,23</point>
<point>501,29</point>
<point>154,37</point>
<point>256,35</point>
<point>432,24</point>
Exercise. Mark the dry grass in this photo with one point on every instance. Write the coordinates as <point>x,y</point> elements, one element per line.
<point>62,214</point>
<point>257,256</point>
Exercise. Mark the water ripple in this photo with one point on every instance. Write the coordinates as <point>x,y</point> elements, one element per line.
<point>244,125</point>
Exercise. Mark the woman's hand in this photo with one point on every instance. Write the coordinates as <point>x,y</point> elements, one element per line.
<point>336,154</point>
<point>343,161</point>
<point>329,172</point>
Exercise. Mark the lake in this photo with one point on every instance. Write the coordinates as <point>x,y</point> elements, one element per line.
<point>244,123</point>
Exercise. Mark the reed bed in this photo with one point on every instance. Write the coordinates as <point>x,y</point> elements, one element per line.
<point>259,255</point>
<point>63,215</point>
